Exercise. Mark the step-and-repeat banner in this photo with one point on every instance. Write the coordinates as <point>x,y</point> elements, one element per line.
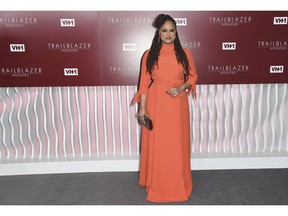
<point>88,48</point>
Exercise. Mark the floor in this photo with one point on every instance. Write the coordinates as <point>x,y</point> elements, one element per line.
<point>215,187</point>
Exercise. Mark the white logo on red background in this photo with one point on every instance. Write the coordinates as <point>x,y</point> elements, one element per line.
<point>69,47</point>
<point>273,45</point>
<point>230,21</point>
<point>124,70</point>
<point>228,69</point>
<point>191,44</point>
<point>280,21</point>
<point>17,21</point>
<point>129,47</point>
<point>129,21</point>
<point>276,69</point>
<point>229,46</point>
<point>67,22</point>
<point>181,21</point>
<point>70,71</point>
<point>17,47</point>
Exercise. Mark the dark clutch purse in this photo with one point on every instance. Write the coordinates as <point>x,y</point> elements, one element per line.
<point>147,123</point>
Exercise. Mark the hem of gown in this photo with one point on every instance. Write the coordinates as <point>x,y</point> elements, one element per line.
<point>167,201</point>
<point>164,200</point>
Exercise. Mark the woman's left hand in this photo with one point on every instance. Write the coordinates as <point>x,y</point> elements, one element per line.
<point>173,92</point>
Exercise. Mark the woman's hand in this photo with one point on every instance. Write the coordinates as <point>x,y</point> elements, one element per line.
<point>141,113</point>
<point>173,92</point>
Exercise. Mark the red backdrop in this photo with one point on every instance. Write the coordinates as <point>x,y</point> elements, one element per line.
<point>104,48</point>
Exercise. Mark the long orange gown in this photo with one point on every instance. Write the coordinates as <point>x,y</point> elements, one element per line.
<point>165,151</point>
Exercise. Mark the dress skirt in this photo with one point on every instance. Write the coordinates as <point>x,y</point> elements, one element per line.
<point>165,151</point>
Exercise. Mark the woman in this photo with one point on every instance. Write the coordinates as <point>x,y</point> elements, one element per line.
<point>167,76</point>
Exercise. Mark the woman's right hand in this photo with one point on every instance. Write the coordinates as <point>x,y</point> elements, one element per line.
<point>141,113</point>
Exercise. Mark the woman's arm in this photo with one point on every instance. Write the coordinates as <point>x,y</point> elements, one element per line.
<point>141,95</point>
<point>142,109</point>
<point>173,92</point>
<point>191,79</point>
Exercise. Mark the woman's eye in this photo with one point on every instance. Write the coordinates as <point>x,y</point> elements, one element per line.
<point>164,30</point>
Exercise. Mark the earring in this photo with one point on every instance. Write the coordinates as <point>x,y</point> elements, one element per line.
<point>159,40</point>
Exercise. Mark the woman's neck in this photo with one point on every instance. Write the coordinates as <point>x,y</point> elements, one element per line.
<point>168,46</point>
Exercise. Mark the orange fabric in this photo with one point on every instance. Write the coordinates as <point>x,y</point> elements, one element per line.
<point>165,151</point>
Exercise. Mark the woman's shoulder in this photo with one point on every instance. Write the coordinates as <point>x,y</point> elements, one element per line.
<point>188,52</point>
<point>145,55</point>
<point>146,52</point>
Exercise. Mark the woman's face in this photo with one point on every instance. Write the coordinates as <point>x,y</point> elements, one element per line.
<point>167,32</point>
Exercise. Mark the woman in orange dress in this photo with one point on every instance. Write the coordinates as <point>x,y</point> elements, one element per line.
<point>167,76</point>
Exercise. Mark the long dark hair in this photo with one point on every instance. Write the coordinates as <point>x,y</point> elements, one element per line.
<point>152,58</point>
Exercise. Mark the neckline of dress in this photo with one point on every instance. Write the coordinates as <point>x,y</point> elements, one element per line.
<point>167,47</point>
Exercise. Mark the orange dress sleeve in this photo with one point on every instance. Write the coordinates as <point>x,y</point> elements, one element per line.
<point>145,80</point>
<point>193,76</point>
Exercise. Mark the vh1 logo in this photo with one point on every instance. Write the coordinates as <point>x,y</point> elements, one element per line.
<point>181,21</point>
<point>277,69</point>
<point>67,22</point>
<point>280,21</point>
<point>229,46</point>
<point>129,47</point>
<point>17,47</point>
<point>70,71</point>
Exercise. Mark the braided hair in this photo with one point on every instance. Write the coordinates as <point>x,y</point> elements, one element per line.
<point>152,58</point>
